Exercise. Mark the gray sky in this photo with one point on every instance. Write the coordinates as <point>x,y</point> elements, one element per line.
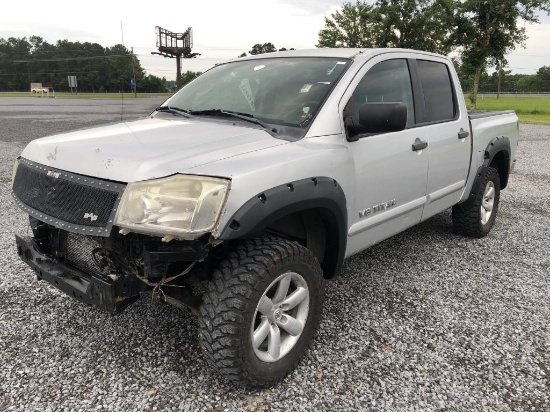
<point>222,29</point>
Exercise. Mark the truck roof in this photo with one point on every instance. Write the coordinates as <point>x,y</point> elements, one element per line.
<point>345,53</point>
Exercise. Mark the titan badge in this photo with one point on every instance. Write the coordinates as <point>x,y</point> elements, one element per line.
<point>377,208</point>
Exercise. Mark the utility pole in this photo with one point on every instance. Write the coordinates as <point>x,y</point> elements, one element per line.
<point>499,67</point>
<point>175,46</point>
<point>134,74</point>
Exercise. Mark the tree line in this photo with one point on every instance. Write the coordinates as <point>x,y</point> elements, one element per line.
<point>97,68</point>
<point>506,82</point>
<point>481,31</point>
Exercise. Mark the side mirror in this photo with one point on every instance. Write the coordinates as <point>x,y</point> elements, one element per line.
<point>382,117</point>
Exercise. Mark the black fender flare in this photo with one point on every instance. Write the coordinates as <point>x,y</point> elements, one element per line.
<point>497,145</point>
<point>322,194</point>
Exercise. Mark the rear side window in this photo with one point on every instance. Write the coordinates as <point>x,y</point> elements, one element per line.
<point>439,97</point>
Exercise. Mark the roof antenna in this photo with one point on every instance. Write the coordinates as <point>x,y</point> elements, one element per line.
<point>122,79</point>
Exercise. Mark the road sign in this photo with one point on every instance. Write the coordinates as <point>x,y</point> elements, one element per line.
<point>72,81</point>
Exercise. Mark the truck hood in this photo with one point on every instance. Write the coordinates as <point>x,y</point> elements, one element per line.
<point>147,148</point>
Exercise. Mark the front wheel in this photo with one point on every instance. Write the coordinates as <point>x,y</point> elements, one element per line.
<point>261,311</point>
<point>476,216</point>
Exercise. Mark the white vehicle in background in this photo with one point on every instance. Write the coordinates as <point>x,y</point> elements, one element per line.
<point>246,190</point>
<point>41,88</point>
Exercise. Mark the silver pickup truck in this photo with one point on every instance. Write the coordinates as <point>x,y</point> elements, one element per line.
<point>246,190</point>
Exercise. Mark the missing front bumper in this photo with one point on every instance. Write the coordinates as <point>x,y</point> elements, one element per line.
<point>85,288</point>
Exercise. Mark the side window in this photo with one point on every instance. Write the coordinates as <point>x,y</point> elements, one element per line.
<point>387,81</point>
<point>439,97</point>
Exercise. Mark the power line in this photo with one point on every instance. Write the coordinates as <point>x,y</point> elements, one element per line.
<point>62,73</point>
<point>61,59</point>
<point>528,54</point>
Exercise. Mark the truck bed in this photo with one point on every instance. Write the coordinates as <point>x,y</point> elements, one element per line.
<point>484,127</point>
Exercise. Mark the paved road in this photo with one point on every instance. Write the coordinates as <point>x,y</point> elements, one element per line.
<point>26,118</point>
<point>427,320</point>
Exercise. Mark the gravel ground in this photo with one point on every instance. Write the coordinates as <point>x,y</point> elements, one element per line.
<point>426,320</point>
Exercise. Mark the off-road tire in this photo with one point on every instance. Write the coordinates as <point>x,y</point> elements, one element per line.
<point>230,307</point>
<point>467,216</point>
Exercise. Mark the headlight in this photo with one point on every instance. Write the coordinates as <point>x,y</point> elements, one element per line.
<point>178,205</point>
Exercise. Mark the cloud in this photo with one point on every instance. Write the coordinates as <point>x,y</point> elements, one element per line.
<point>313,6</point>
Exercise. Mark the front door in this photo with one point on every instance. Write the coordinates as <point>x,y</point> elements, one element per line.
<point>391,175</point>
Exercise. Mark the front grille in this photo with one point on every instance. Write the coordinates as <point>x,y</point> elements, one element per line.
<point>66,200</point>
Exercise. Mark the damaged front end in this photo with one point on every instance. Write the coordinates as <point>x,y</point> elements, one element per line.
<point>79,246</point>
<point>111,273</point>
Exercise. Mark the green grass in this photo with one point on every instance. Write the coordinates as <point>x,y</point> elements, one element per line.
<point>534,109</point>
<point>62,95</point>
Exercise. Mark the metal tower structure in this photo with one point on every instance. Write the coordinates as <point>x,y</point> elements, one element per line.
<point>175,46</point>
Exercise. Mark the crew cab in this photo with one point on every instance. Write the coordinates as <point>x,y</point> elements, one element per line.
<point>241,194</point>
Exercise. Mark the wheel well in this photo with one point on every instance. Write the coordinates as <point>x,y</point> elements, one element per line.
<point>310,210</point>
<point>316,230</point>
<point>501,162</point>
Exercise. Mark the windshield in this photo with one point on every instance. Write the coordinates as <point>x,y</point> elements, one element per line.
<point>286,92</point>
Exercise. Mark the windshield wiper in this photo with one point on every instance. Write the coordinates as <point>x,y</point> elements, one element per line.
<point>243,116</point>
<point>174,110</point>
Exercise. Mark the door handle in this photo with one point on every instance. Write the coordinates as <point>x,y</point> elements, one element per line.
<point>419,145</point>
<point>463,134</point>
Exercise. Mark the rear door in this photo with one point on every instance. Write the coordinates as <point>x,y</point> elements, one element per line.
<point>448,134</point>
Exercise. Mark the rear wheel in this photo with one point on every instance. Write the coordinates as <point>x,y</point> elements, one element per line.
<point>476,216</point>
<point>261,311</point>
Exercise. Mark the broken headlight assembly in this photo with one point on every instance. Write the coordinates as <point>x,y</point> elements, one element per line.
<point>180,206</point>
